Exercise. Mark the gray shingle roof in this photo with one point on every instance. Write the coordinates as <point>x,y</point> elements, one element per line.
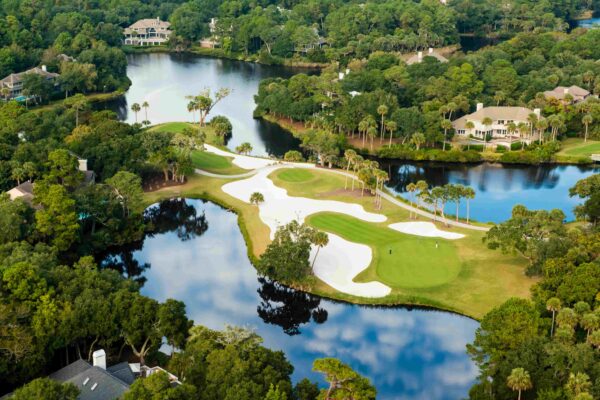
<point>123,372</point>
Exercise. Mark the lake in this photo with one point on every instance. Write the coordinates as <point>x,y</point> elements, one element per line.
<point>199,256</point>
<point>588,23</point>
<point>498,187</point>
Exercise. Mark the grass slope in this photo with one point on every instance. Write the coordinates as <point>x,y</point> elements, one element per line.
<point>215,163</point>
<point>296,175</point>
<point>577,147</point>
<point>400,260</point>
<point>178,127</point>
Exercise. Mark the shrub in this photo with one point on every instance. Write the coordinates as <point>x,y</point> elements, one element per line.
<point>293,156</point>
<point>501,149</point>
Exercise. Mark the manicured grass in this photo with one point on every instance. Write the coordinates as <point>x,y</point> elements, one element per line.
<point>296,175</point>
<point>402,261</point>
<point>577,147</point>
<point>215,163</point>
<point>177,127</point>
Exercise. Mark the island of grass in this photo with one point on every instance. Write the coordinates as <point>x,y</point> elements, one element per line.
<point>203,160</point>
<point>462,275</point>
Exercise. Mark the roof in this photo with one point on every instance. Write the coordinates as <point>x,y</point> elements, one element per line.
<point>94,383</point>
<point>559,92</point>
<point>123,372</point>
<point>495,114</point>
<point>24,192</point>
<point>414,59</point>
<point>11,79</point>
<point>150,23</point>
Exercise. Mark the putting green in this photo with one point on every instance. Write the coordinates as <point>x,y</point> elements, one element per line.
<point>400,260</point>
<point>295,175</point>
<point>215,163</point>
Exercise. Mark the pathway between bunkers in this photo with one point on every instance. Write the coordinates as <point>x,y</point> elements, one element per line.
<point>375,255</point>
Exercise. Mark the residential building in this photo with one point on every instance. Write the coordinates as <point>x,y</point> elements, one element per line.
<point>560,93</point>
<point>501,117</point>
<point>11,87</point>
<point>431,52</point>
<point>147,32</point>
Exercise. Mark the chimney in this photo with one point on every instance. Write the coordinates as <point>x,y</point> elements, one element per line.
<point>341,76</point>
<point>537,112</point>
<point>82,165</point>
<point>347,71</point>
<point>44,68</point>
<point>431,50</point>
<point>157,19</point>
<point>566,90</point>
<point>479,106</point>
<point>99,357</point>
<point>420,55</point>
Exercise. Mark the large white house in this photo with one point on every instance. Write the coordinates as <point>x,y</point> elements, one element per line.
<point>11,87</point>
<point>148,32</point>
<point>501,117</point>
<point>560,93</point>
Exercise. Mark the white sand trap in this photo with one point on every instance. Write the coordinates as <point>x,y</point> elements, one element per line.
<point>426,229</point>
<point>340,260</point>
<point>245,162</point>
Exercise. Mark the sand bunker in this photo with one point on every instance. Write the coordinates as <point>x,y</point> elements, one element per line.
<point>338,262</point>
<point>245,162</point>
<point>426,229</point>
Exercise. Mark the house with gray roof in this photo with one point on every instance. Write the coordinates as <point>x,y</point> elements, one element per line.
<point>501,117</point>
<point>11,87</point>
<point>147,32</point>
<point>561,92</point>
<point>418,57</point>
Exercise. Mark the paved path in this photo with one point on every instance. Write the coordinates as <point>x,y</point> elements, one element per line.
<point>383,194</point>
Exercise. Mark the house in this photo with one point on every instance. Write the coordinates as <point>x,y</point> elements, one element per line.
<point>147,32</point>
<point>501,117</point>
<point>11,87</point>
<point>65,58</point>
<point>560,92</point>
<point>96,381</point>
<point>417,58</point>
<point>318,43</point>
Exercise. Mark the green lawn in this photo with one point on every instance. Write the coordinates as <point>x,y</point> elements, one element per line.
<point>577,147</point>
<point>215,163</point>
<point>178,127</point>
<point>414,262</point>
<point>296,175</point>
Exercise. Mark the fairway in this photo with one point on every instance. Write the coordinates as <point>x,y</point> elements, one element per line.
<point>577,147</point>
<point>414,262</point>
<point>296,175</point>
<point>175,127</point>
<point>214,163</point>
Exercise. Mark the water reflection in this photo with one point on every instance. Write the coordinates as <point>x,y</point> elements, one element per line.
<point>498,187</point>
<point>413,355</point>
<point>163,80</point>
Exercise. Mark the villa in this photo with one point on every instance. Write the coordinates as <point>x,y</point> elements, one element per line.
<point>148,32</point>
<point>417,58</point>
<point>501,117</point>
<point>11,87</point>
<point>560,93</point>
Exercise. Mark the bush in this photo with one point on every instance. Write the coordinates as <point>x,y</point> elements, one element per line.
<point>474,147</point>
<point>501,149</point>
<point>517,146</point>
<point>293,156</point>
<point>403,152</point>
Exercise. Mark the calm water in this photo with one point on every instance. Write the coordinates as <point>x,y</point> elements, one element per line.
<point>199,256</point>
<point>163,80</point>
<point>498,188</point>
<point>589,23</point>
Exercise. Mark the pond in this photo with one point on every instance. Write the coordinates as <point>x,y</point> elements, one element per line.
<point>588,23</point>
<point>198,255</point>
<point>498,187</point>
<point>164,80</point>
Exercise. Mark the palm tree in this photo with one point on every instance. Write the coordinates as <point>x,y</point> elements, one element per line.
<point>320,239</point>
<point>358,161</point>
<point>18,173</point>
<point>446,125</point>
<point>519,380</point>
<point>418,139</point>
<point>541,126</point>
<point>590,322</point>
<point>256,198</point>
<point>556,123</point>
<point>191,107</point>
<point>77,103</point>
<point>594,339</point>
<point>372,132</point>
<point>470,126</point>
<point>469,194</point>
<point>411,188</point>
<point>381,177</point>
<point>135,107</point>
<point>522,128</point>
<point>487,122</point>
<point>532,119</point>
<point>578,383</point>
<point>511,128</point>
<point>350,156</point>
<point>145,106</point>
<point>586,121</point>
<point>500,96</point>
<point>553,305</point>
<point>566,318</point>
<point>382,110</point>
<point>244,148</point>
<point>391,127</point>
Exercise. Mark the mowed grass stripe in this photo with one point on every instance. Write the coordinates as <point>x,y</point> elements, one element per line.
<point>296,175</point>
<point>400,260</point>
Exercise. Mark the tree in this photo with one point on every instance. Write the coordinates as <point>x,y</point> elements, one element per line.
<point>257,198</point>
<point>320,239</point>
<point>293,156</point>
<point>205,102</point>
<point>519,380</point>
<point>411,188</point>
<point>174,324</point>
<point>145,106</point>
<point>78,103</point>
<point>350,157</point>
<point>275,394</point>
<point>391,127</point>
<point>37,87</point>
<point>57,220</point>
<point>135,107</point>
<point>127,187</point>
<point>418,139</point>
<point>158,386</point>
<point>586,121</point>
<point>446,125</point>
<point>244,148</point>
<point>75,76</point>
<point>344,382</point>
<point>47,389</point>
<point>553,305</point>
<point>16,219</point>
<point>487,122</point>
<point>469,194</point>
<point>382,110</point>
<point>578,383</point>
<point>590,322</point>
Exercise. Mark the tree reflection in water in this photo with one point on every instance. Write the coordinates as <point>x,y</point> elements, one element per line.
<point>173,215</point>
<point>287,307</point>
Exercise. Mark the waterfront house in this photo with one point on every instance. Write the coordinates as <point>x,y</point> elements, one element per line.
<point>501,118</point>
<point>417,58</point>
<point>560,93</point>
<point>11,87</point>
<point>147,32</point>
